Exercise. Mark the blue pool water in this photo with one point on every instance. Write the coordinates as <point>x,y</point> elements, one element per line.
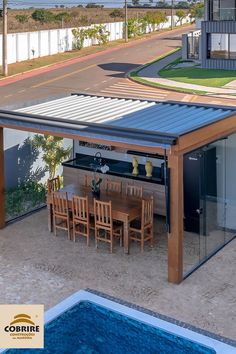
<point>87,328</point>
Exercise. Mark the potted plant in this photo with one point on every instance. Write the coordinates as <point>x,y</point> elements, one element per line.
<point>95,186</point>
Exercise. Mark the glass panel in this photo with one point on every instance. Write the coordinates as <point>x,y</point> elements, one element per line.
<point>214,216</point>
<point>215,10</point>
<point>232,46</point>
<point>209,200</point>
<point>26,171</point>
<point>230,190</point>
<point>219,46</point>
<point>193,47</point>
<point>223,10</point>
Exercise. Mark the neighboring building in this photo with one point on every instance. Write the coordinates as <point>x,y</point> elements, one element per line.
<point>217,42</point>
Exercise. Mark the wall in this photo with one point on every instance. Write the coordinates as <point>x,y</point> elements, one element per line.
<point>29,45</point>
<point>21,161</point>
<point>216,27</point>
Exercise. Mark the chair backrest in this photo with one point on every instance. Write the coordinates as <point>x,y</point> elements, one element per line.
<point>103,213</point>
<point>80,208</point>
<point>60,203</point>
<point>134,191</point>
<point>147,211</point>
<point>112,186</point>
<point>54,184</point>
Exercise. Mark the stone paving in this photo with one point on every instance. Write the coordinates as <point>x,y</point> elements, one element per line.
<point>37,267</point>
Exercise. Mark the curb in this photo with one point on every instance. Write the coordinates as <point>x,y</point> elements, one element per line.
<point>152,84</point>
<point>50,67</point>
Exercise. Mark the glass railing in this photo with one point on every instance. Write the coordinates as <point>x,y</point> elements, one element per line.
<point>222,14</point>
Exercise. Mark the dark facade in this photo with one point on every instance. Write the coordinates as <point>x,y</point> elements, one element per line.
<point>219,35</point>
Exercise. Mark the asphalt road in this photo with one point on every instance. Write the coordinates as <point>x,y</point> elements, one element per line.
<point>93,75</point>
<point>103,74</point>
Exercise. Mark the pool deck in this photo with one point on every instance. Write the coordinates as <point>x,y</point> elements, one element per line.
<point>37,267</point>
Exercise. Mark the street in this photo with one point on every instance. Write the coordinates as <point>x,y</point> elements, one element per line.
<point>103,74</point>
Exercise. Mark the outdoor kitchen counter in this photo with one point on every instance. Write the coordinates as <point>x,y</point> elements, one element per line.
<point>116,168</point>
<point>75,171</point>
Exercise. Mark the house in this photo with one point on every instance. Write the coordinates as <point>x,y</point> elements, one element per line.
<point>193,149</point>
<point>215,46</point>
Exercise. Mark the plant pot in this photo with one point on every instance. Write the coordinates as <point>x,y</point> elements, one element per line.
<point>96,194</point>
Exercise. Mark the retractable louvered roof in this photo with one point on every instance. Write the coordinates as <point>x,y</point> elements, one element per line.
<point>146,123</point>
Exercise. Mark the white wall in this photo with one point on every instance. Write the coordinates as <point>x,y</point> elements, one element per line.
<point>28,45</point>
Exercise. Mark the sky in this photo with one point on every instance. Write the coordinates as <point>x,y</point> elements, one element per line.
<point>69,3</point>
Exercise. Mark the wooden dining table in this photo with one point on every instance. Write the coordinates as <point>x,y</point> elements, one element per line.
<point>124,208</point>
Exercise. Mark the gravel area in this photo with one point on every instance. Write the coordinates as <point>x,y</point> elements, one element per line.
<point>37,267</point>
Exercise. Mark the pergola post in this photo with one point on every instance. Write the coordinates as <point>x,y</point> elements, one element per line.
<point>175,237</point>
<point>2,201</point>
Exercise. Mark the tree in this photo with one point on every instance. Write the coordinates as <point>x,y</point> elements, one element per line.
<point>181,15</point>
<point>135,2</point>
<point>62,16</point>
<point>116,13</point>
<point>93,5</point>
<point>43,16</point>
<point>53,151</point>
<point>80,35</point>
<point>155,18</point>
<point>22,18</point>
<point>197,10</point>
<point>182,5</point>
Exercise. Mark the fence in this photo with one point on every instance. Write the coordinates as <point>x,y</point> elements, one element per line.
<point>30,45</point>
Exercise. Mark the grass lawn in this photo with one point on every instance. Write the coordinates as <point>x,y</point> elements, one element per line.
<point>198,76</point>
<point>134,75</point>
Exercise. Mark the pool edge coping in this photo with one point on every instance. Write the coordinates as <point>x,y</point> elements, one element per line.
<point>138,314</point>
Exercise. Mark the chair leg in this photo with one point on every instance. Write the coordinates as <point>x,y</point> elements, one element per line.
<point>96,238</point>
<point>74,229</point>
<point>54,225</point>
<point>68,226</point>
<point>151,231</point>
<point>111,244</point>
<point>142,241</point>
<point>87,229</point>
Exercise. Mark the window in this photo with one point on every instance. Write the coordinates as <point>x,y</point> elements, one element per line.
<point>219,46</point>
<point>232,46</point>
<point>222,10</point>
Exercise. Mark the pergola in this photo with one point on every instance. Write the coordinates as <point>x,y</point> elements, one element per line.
<point>169,129</point>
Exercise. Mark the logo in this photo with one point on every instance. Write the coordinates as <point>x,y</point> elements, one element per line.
<point>21,329</point>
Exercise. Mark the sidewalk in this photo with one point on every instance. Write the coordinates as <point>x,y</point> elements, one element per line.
<point>150,73</point>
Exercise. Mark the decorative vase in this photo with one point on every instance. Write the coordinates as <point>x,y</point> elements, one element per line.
<point>148,168</point>
<point>135,166</point>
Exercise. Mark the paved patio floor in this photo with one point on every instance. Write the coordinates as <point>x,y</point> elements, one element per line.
<point>37,267</point>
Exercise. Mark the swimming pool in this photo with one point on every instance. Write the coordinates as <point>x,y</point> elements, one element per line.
<point>86,323</point>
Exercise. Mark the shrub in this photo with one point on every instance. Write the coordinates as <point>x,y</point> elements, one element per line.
<point>43,16</point>
<point>22,18</point>
<point>116,13</point>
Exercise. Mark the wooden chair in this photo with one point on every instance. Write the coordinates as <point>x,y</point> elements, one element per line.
<point>80,215</point>
<point>112,186</point>
<point>142,230</point>
<point>54,184</point>
<point>105,228</point>
<point>134,191</point>
<point>61,213</point>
